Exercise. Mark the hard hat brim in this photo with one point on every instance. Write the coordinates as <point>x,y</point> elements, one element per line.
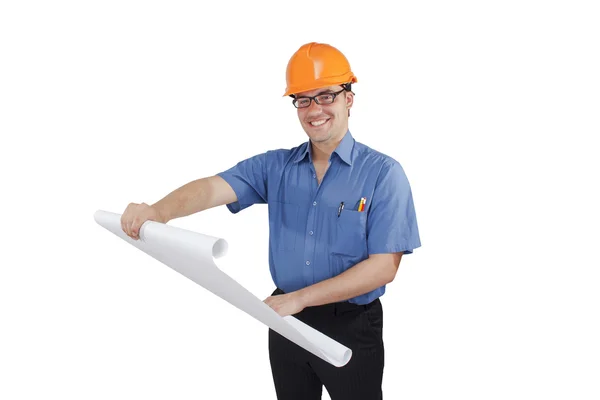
<point>321,83</point>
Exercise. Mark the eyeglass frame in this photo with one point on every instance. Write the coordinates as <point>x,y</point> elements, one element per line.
<point>346,87</point>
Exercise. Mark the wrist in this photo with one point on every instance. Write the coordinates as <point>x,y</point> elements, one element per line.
<point>304,297</point>
<point>161,215</point>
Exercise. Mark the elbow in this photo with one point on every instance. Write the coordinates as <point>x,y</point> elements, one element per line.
<point>386,266</point>
<point>391,275</point>
<point>393,266</point>
<point>387,273</point>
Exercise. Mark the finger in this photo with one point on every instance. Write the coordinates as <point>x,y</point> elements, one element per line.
<point>269,301</point>
<point>130,217</point>
<point>135,227</point>
<point>124,221</point>
<point>129,223</point>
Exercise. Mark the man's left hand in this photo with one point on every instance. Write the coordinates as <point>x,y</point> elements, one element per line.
<point>285,304</point>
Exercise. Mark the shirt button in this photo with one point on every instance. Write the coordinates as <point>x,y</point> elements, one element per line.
<point>307,262</point>
<point>314,175</point>
<point>314,203</point>
<point>310,233</point>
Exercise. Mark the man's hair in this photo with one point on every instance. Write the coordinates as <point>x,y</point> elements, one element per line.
<point>347,86</point>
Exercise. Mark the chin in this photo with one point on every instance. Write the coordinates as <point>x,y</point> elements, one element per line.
<point>319,136</point>
<point>322,138</point>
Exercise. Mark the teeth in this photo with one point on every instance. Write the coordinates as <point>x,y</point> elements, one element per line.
<point>318,123</point>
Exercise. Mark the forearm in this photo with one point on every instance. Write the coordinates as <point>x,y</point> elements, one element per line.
<point>190,198</point>
<point>362,278</point>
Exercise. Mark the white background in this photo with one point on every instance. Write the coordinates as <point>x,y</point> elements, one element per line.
<point>491,108</point>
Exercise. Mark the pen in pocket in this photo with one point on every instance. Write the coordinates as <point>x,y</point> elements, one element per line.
<point>340,208</point>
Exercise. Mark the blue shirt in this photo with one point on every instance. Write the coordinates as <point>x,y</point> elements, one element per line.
<point>308,241</point>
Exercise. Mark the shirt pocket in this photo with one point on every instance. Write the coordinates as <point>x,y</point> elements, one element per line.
<point>350,233</point>
<point>284,224</point>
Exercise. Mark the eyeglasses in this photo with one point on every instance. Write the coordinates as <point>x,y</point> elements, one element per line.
<point>323,98</point>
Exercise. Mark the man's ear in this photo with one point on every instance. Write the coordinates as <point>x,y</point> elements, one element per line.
<point>349,101</point>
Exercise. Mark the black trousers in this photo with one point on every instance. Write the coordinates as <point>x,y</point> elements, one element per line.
<point>300,375</point>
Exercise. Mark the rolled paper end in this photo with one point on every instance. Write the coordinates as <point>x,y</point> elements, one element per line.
<point>220,248</point>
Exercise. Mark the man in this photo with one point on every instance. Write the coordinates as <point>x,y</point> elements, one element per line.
<point>341,216</point>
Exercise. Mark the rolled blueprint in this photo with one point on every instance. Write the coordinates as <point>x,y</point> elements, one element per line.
<point>193,255</point>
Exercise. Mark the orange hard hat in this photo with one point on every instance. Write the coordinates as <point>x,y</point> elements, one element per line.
<point>316,65</point>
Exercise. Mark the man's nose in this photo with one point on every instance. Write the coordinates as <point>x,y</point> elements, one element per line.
<point>313,106</point>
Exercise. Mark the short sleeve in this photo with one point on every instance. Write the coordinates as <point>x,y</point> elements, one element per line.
<point>248,178</point>
<point>392,221</point>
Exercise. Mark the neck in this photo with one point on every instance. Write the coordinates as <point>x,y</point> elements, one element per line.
<point>321,151</point>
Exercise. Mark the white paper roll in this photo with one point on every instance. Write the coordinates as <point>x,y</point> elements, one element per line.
<point>193,254</point>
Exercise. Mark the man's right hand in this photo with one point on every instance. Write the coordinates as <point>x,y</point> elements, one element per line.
<point>134,217</point>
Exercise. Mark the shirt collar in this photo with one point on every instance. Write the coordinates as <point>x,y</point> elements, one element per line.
<point>343,150</point>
